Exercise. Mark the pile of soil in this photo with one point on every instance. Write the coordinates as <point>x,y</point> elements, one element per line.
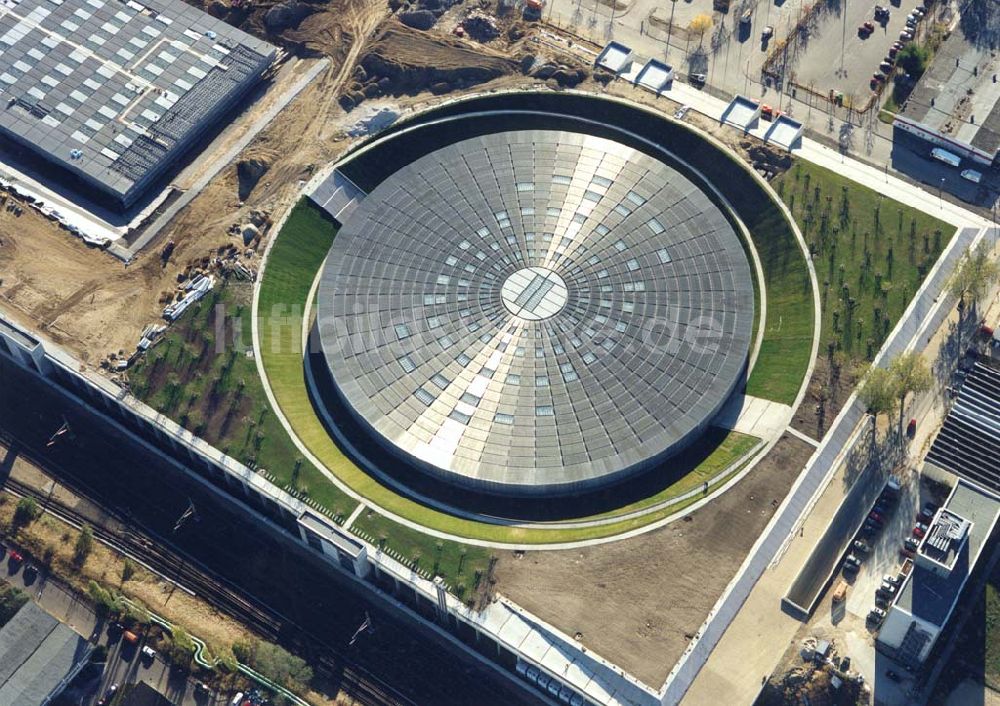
<point>404,60</point>
<point>249,172</point>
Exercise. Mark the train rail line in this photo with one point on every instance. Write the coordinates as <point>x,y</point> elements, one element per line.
<point>196,579</point>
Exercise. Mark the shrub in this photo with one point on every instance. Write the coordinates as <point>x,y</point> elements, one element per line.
<point>84,544</point>
<point>181,649</point>
<point>11,600</point>
<point>274,662</point>
<point>26,512</point>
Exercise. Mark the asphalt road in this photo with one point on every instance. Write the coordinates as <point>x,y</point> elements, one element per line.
<point>128,477</point>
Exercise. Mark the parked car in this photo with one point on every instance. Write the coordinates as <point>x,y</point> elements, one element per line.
<point>911,544</point>
<point>876,615</point>
<point>148,652</point>
<point>865,29</point>
<point>861,547</point>
<point>885,67</point>
<point>869,528</point>
<point>881,13</point>
<point>892,53</point>
<point>878,77</point>
<point>887,588</point>
<point>919,530</point>
<point>881,601</point>
<point>15,557</point>
<point>876,518</point>
<point>905,36</point>
<point>919,11</point>
<point>697,79</point>
<point>681,112</point>
<point>767,112</point>
<point>767,33</point>
<point>931,507</point>
<point>891,579</point>
<point>745,19</point>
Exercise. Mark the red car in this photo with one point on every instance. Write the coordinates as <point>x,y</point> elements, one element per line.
<point>16,557</point>
<point>865,29</point>
<point>919,531</point>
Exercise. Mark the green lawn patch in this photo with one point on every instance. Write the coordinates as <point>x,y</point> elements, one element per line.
<point>203,375</point>
<point>870,253</point>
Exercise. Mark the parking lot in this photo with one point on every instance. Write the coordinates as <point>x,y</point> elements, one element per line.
<point>730,55</point>
<point>837,57</point>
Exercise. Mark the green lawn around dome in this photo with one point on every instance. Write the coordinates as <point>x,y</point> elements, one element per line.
<point>291,268</point>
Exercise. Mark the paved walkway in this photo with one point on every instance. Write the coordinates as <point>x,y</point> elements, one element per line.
<point>812,151</point>
<point>732,672</point>
<point>755,416</point>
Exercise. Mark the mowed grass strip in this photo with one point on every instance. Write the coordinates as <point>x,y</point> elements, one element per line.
<point>292,265</point>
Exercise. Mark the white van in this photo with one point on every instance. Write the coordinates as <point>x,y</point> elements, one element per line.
<point>237,700</point>
<point>972,175</point>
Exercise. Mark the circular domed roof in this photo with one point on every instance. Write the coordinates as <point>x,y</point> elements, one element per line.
<point>535,311</point>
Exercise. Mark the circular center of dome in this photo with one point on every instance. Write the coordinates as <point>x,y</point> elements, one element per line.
<point>534,293</point>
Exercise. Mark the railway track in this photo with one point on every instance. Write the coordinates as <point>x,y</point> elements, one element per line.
<point>196,579</point>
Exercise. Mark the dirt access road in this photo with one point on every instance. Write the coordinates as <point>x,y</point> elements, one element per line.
<point>92,304</point>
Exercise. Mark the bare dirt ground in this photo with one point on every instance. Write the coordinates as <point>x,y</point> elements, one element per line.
<point>829,388</point>
<point>93,305</point>
<point>639,602</point>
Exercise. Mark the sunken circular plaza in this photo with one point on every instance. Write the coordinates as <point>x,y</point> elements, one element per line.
<point>535,312</point>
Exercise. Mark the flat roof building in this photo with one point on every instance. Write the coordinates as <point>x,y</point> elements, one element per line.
<point>113,93</point>
<point>38,657</point>
<point>968,444</point>
<point>945,558</point>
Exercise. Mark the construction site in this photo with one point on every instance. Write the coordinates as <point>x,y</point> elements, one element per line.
<point>162,302</point>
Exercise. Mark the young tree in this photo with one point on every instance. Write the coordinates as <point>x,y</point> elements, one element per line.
<point>699,25</point>
<point>913,59</point>
<point>878,391</point>
<point>975,273</point>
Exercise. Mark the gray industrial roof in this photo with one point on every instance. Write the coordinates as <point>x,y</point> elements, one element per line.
<point>536,310</point>
<point>36,653</point>
<point>930,596</point>
<point>968,444</point>
<point>112,90</point>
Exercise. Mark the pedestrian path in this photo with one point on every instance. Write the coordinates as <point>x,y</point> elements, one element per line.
<point>755,416</point>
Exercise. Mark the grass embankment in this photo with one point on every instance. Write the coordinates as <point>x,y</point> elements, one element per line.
<point>870,253</point>
<point>786,344</point>
<point>203,375</point>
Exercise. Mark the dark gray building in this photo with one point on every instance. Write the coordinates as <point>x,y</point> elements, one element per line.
<point>113,93</point>
<point>38,657</point>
